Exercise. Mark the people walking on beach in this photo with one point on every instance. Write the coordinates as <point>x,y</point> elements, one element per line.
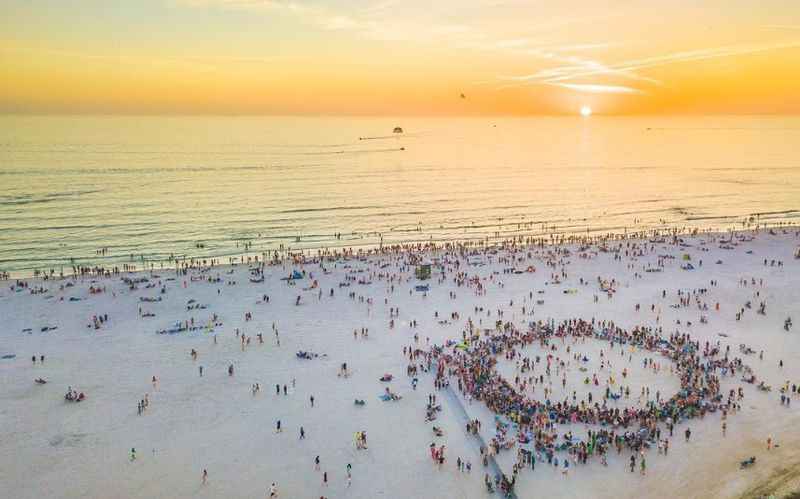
<point>357,439</point>
<point>489,338</point>
<point>205,477</point>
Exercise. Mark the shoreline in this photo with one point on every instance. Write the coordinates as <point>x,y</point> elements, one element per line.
<point>282,256</point>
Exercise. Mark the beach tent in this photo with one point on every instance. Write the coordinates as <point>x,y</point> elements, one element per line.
<point>687,257</point>
<point>296,274</point>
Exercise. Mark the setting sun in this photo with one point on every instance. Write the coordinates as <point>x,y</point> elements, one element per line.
<point>586,111</point>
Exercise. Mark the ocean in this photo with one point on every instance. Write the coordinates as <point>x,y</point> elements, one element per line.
<point>151,187</point>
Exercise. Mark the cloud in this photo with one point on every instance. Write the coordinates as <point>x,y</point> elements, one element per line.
<point>593,88</point>
<point>339,23</point>
<point>782,26</point>
<point>229,3</point>
<point>574,67</point>
<point>237,3</point>
<point>381,6</point>
<point>701,54</point>
<point>197,63</point>
<point>564,76</point>
<point>580,47</point>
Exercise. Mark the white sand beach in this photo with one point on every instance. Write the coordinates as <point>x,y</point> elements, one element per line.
<point>51,447</point>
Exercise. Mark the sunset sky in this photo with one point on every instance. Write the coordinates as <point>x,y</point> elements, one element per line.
<point>378,57</point>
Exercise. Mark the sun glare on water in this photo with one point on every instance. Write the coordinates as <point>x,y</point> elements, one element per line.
<point>586,111</point>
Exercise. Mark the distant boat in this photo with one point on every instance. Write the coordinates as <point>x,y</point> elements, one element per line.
<point>397,129</point>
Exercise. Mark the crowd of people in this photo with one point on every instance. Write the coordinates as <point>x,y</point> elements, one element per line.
<point>473,366</point>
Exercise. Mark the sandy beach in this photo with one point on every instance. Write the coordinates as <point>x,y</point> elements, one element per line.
<point>100,336</point>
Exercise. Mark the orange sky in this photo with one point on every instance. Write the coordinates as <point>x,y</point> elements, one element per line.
<point>399,57</point>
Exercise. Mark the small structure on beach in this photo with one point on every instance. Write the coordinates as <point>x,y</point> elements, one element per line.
<point>397,129</point>
<point>423,271</point>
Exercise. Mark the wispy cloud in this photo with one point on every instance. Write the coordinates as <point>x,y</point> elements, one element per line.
<point>701,54</point>
<point>238,3</point>
<point>594,88</point>
<point>339,23</point>
<point>201,63</point>
<point>381,7</point>
<point>573,68</point>
<point>579,69</point>
<point>782,26</point>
